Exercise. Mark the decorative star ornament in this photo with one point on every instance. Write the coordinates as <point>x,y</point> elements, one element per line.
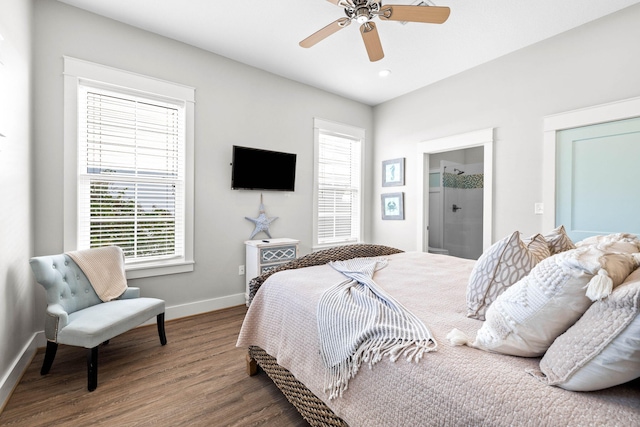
<point>262,222</point>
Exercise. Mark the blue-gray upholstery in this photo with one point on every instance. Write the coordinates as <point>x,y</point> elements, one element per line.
<point>76,315</point>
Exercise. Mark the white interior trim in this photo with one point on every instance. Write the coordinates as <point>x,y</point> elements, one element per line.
<point>480,138</point>
<point>19,366</point>
<point>347,131</point>
<point>602,113</point>
<point>77,70</point>
<point>200,307</point>
<point>126,79</point>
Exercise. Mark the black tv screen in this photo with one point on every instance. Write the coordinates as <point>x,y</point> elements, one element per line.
<point>256,169</point>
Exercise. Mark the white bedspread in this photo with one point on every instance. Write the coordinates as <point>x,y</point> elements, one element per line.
<point>451,386</point>
<point>360,324</point>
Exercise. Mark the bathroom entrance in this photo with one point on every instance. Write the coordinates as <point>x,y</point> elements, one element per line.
<point>455,199</point>
<point>482,139</point>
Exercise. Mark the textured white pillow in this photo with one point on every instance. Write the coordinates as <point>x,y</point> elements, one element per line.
<point>500,266</point>
<point>603,348</point>
<point>529,315</point>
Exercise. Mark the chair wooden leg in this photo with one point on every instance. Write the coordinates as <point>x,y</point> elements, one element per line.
<point>92,368</point>
<point>49,355</point>
<point>160,321</point>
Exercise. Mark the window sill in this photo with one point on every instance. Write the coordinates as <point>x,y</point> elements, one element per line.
<point>158,269</point>
<point>316,248</point>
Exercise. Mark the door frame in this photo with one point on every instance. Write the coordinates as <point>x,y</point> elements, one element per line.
<point>480,138</point>
<point>610,112</point>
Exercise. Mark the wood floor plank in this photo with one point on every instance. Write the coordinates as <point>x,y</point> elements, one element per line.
<point>197,379</point>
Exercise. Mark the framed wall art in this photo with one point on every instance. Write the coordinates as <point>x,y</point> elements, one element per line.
<point>393,172</point>
<point>393,206</point>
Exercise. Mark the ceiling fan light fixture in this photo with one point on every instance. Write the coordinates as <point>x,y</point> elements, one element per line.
<point>364,11</point>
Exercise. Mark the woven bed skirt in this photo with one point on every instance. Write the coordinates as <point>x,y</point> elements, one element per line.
<point>310,407</point>
<point>314,410</point>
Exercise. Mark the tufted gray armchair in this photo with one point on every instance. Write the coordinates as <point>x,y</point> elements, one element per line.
<point>76,315</point>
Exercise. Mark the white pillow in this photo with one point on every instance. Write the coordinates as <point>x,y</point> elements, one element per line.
<point>619,242</point>
<point>527,317</point>
<point>603,348</point>
<point>500,266</point>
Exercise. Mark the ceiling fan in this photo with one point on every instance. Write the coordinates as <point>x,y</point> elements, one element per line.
<point>363,12</point>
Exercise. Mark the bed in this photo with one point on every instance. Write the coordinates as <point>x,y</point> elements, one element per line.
<point>455,385</point>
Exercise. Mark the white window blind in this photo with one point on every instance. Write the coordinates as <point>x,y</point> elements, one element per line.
<point>338,188</point>
<point>131,177</point>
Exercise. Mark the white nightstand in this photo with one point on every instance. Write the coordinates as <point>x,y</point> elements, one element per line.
<point>265,255</point>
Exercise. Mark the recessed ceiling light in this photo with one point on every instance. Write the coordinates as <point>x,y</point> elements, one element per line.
<point>384,73</point>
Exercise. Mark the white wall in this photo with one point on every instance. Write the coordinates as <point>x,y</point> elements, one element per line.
<point>235,104</point>
<point>16,283</point>
<point>593,64</point>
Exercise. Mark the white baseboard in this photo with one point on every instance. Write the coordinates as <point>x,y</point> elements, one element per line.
<point>205,306</point>
<point>199,307</point>
<point>13,375</point>
<point>38,340</point>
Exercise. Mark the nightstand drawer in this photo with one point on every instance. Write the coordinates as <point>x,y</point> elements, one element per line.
<point>267,268</point>
<point>265,255</point>
<point>278,254</point>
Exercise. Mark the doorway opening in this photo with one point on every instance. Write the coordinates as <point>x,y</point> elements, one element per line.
<point>456,181</point>
<point>482,139</point>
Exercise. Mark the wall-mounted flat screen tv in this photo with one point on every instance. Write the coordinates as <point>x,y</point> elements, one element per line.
<point>256,169</point>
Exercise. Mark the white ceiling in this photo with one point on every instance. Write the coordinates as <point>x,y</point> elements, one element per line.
<point>265,34</point>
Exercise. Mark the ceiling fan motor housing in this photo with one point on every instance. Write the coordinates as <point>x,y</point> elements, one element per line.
<point>362,11</point>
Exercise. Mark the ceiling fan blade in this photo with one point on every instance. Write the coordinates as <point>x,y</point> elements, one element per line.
<point>428,14</point>
<point>372,41</point>
<point>341,3</point>
<point>325,32</point>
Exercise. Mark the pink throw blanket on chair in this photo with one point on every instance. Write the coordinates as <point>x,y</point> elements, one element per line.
<point>104,267</point>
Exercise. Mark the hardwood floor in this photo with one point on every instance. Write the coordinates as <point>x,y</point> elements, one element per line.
<point>197,379</point>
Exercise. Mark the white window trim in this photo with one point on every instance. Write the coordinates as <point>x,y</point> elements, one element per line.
<point>480,138</point>
<point>348,131</point>
<point>76,70</point>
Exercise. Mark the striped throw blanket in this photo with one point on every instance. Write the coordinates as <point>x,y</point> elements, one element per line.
<point>359,323</point>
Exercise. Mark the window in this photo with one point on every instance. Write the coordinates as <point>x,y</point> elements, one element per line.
<point>132,181</point>
<point>338,183</point>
